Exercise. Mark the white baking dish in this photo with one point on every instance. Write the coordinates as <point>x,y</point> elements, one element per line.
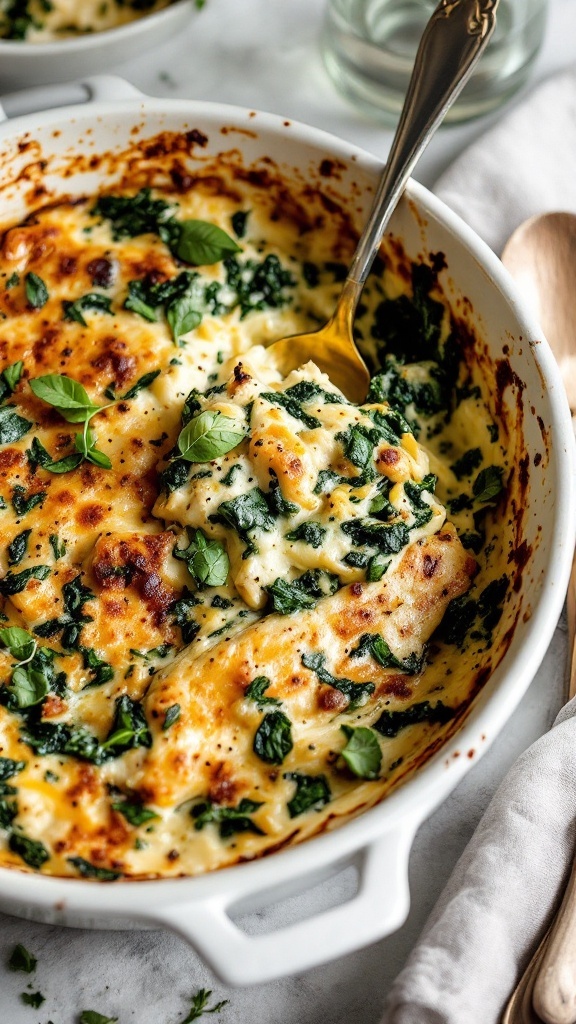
<point>377,842</point>
<point>26,64</point>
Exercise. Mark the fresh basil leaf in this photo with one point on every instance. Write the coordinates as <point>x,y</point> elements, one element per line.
<point>88,870</point>
<point>28,686</point>
<point>36,291</point>
<point>86,445</point>
<point>208,436</point>
<point>14,583</point>
<point>183,316</point>
<point>17,547</point>
<point>22,960</point>
<point>66,395</point>
<point>273,738</point>
<point>12,426</point>
<point>20,644</point>
<point>362,752</point>
<point>207,560</point>
<point>93,1017</point>
<point>9,379</point>
<point>256,690</point>
<point>200,243</point>
<point>311,791</point>
<point>142,382</point>
<point>135,813</point>
<point>32,851</point>
<point>171,715</point>
<point>488,484</point>
<point>65,465</point>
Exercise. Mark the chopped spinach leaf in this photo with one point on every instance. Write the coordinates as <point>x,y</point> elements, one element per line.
<point>183,612</point>
<point>93,300</point>
<point>34,999</point>
<point>134,812</point>
<point>246,513</point>
<point>239,222</point>
<point>22,960</point>
<point>273,738</point>
<point>143,382</point>
<point>277,502</point>
<point>258,286</point>
<point>230,820</point>
<point>9,768</point>
<point>15,583</point>
<point>129,728</point>
<point>312,791</point>
<point>357,693</point>
<point>174,476</point>
<point>17,547</point>
<point>32,851</point>
<point>375,646</point>
<point>58,546</point>
<point>467,463</point>
<point>387,538</point>
<point>93,1017</point>
<point>309,532</point>
<point>88,870</point>
<point>132,215</point>
<point>390,723</point>
<point>256,691</point>
<point>12,426</point>
<point>304,592</point>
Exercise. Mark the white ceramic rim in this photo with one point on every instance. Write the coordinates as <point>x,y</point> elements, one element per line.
<point>386,830</point>
<point>90,41</point>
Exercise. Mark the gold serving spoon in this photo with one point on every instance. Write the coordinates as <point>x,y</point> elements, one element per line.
<point>453,41</point>
<point>541,256</point>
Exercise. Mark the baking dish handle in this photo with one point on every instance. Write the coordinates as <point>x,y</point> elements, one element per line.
<point>104,88</point>
<point>379,906</point>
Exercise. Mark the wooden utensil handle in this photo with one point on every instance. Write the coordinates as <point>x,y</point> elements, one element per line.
<point>554,995</point>
<point>571,614</point>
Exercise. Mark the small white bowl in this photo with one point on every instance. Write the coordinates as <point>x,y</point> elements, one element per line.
<point>24,64</point>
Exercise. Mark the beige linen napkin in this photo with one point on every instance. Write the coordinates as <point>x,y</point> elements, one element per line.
<point>502,893</point>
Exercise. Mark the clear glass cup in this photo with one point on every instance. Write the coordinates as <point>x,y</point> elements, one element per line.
<point>369,47</point>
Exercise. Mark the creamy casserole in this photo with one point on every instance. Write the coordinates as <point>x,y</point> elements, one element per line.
<point>43,21</point>
<point>231,604</point>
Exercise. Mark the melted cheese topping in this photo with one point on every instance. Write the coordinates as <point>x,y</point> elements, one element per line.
<point>226,651</point>
<point>61,19</point>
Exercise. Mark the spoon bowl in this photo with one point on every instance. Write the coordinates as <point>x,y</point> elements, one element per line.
<point>453,41</point>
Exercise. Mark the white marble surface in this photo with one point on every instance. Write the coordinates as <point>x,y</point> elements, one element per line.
<point>263,53</point>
